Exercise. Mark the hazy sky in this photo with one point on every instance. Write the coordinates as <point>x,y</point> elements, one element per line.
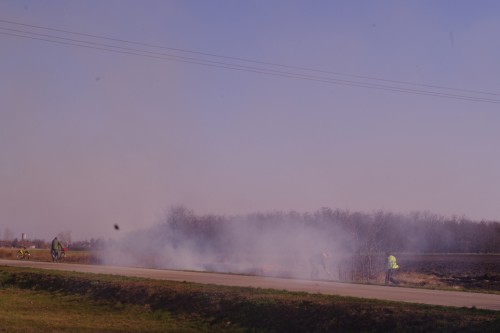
<point>91,137</point>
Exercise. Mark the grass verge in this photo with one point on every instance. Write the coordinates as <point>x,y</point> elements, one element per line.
<point>231,309</point>
<point>28,311</point>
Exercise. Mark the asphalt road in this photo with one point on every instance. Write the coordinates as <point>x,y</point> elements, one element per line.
<point>412,295</point>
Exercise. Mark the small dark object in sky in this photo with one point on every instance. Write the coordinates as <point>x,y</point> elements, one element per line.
<point>117,227</point>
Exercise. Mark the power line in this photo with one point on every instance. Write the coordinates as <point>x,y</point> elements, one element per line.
<point>233,66</point>
<point>252,61</point>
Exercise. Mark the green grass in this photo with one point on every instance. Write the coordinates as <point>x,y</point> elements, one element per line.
<point>123,304</point>
<point>30,311</point>
<point>27,311</point>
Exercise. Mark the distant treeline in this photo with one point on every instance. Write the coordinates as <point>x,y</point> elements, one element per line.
<point>353,232</point>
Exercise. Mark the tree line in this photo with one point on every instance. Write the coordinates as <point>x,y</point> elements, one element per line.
<point>358,232</point>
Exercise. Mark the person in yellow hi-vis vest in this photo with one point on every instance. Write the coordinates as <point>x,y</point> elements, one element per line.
<point>391,266</point>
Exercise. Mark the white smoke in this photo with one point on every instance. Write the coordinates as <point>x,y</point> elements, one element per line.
<point>283,244</point>
<point>274,244</point>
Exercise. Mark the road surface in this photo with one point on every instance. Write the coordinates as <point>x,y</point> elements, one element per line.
<point>412,295</point>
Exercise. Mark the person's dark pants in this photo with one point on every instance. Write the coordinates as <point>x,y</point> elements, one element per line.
<point>55,255</point>
<point>389,278</point>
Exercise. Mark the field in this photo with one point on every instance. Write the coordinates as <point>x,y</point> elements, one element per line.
<point>473,272</point>
<point>478,272</point>
<point>465,272</point>
<point>80,257</point>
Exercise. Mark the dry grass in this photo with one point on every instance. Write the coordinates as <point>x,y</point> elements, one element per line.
<point>80,257</point>
<point>420,280</point>
<point>8,253</point>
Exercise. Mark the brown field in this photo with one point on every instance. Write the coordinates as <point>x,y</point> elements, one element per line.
<point>457,271</point>
<point>477,272</point>
<point>80,257</point>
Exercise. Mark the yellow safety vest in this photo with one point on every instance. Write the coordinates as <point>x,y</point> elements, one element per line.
<point>391,262</point>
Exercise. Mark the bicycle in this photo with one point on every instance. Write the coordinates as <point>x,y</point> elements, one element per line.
<point>63,253</point>
<point>58,255</point>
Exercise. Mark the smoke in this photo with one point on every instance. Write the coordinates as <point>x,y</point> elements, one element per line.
<point>273,244</point>
<point>284,244</point>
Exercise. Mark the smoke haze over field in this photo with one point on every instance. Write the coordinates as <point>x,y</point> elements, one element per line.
<point>273,244</point>
<point>287,244</point>
<point>111,111</point>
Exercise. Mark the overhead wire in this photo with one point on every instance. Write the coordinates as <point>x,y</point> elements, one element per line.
<point>249,60</point>
<point>234,66</point>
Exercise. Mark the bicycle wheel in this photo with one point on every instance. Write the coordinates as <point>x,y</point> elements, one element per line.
<point>20,255</point>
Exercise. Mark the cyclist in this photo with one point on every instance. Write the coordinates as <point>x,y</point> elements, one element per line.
<point>23,253</point>
<point>55,249</point>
